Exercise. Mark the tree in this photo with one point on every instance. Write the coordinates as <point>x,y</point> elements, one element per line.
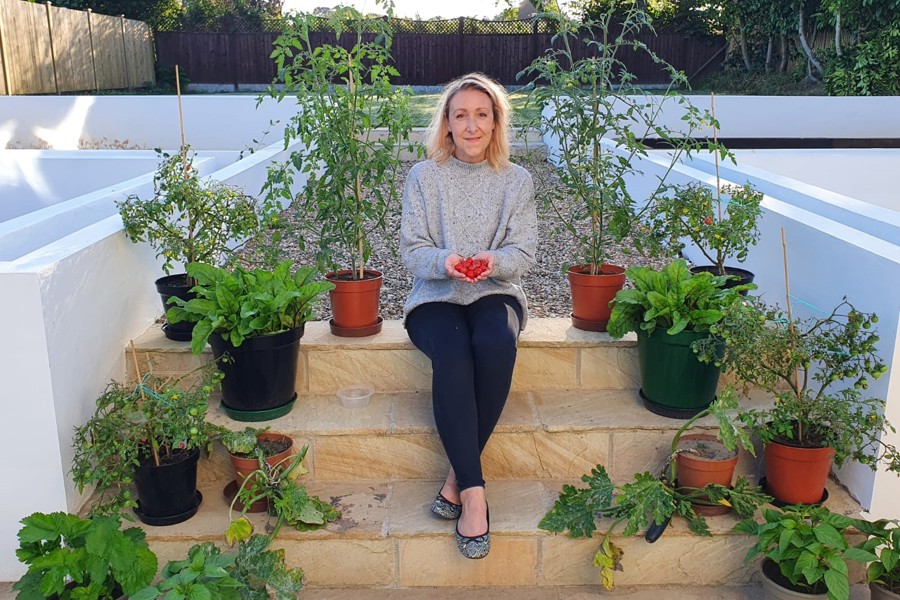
<point>159,14</point>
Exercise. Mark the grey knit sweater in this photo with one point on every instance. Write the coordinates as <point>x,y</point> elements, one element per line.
<point>467,208</point>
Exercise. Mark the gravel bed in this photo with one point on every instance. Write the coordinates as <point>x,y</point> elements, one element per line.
<point>546,286</point>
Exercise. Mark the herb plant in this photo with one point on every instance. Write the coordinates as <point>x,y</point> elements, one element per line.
<point>817,370</point>
<point>150,423</point>
<point>241,303</point>
<point>809,545</point>
<point>599,116</point>
<point>204,574</point>
<point>720,228</point>
<point>672,299</point>
<point>343,94</point>
<point>190,219</point>
<point>71,558</point>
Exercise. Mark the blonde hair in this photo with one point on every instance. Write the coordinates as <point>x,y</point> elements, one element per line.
<point>438,140</point>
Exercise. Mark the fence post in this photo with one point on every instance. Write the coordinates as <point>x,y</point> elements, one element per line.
<point>49,5</point>
<point>91,38</point>
<point>125,53</point>
<point>460,48</point>
<point>3,55</point>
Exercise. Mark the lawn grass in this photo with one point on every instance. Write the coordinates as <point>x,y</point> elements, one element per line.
<point>422,107</point>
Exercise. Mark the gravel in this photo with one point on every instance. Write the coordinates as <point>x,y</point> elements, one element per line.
<point>546,286</point>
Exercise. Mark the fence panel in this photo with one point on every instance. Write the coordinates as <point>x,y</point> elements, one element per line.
<point>108,58</point>
<point>45,50</point>
<point>71,49</point>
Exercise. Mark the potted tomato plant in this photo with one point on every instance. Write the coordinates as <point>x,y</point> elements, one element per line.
<point>344,94</point>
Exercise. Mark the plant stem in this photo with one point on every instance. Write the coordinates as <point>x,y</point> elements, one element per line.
<point>787,294</point>
<point>673,470</point>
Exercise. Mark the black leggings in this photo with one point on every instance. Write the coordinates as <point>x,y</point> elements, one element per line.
<point>473,351</point>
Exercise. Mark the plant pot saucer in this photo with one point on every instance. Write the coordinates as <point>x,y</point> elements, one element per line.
<point>178,336</point>
<point>171,519</point>
<point>584,325</point>
<point>254,416</point>
<point>356,331</point>
<point>668,411</point>
<point>231,491</point>
<point>783,503</point>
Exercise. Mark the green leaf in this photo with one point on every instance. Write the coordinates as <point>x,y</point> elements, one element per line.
<point>838,585</point>
<point>829,536</point>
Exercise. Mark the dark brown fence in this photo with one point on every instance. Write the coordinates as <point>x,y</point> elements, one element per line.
<point>424,58</point>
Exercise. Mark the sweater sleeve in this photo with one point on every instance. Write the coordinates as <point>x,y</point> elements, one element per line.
<point>417,248</point>
<point>516,253</point>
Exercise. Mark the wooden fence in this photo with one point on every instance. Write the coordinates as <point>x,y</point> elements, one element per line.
<point>47,50</point>
<point>421,58</point>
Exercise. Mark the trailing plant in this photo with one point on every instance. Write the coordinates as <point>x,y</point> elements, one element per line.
<point>343,94</point>
<point>599,119</point>
<point>809,545</point>
<point>672,299</point>
<point>288,501</point>
<point>154,422</point>
<point>816,369</point>
<point>883,545</point>
<point>204,574</point>
<point>263,571</point>
<point>721,229</point>
<point>240,304</point>
<point>189,219</point>
<point>647,500</point>
<point>81,559</point>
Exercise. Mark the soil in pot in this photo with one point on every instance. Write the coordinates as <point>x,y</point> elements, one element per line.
<point>703,459</point>
<point>777,587</point>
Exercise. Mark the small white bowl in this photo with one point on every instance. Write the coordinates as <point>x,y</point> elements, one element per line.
<point>355,396</point>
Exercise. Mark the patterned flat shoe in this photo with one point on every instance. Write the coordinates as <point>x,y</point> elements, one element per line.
<point>475,547</point>
<point>445,509</point>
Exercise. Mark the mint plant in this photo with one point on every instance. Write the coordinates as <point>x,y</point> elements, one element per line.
<point>71,558</point>
<point>241,303</point>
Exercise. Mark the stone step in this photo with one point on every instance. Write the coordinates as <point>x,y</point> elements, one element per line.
<point>387,538</point>
<point>550,434</point>
<point>552,356</point>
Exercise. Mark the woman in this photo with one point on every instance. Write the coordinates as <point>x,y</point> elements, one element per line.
<point>468,201</point>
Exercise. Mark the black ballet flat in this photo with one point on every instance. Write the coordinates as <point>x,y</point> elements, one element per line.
<point>445,509</point>
<point>478,546</point>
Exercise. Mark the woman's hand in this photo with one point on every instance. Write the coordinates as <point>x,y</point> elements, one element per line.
<point>454,259</point>
<point>488,259</point>
<point>450,266</point>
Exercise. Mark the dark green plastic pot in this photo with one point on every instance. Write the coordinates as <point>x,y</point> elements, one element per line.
<point>673,382</point>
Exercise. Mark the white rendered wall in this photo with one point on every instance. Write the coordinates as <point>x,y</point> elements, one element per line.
<point>69,309</point>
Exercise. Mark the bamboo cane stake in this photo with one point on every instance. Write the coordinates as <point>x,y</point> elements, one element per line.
<point>787,294</point>
<point>712,111</point>
<point>181,122</point>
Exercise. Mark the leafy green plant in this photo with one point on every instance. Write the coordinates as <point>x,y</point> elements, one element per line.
<point>343,94</point>
<point>241,303</point>
<point>150,423</point>
<point>204,574</point>
<point>81,559</point>
<point>596,111</point>
<point>263,571</point>
<point>719,228</point>
<point>809,545</point>
<point>288,501</point>
<point>672,299</point>
<point>244,442</point>
<point>883,545</point>
<point>816,369</point>
<point>190,219</point>
<point>645,501</point>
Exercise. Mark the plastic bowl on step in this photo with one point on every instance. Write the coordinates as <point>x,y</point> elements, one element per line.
<point>355,396</point>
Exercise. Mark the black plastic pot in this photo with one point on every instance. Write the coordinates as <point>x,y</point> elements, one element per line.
<point>260,374</point>
<point>167,494</point>
<point>744,276</point>
<point>179,287</point>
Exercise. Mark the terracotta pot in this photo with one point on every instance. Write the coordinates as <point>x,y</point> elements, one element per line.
<point>244,466</point>
<point>591,295</point>
<point>775,585</point>
<point>795,474</point>
<point>695,471</point>
<point>354,302</point>
<point>878,592</point>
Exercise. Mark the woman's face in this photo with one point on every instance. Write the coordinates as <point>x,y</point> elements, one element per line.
<point>471,124</point>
